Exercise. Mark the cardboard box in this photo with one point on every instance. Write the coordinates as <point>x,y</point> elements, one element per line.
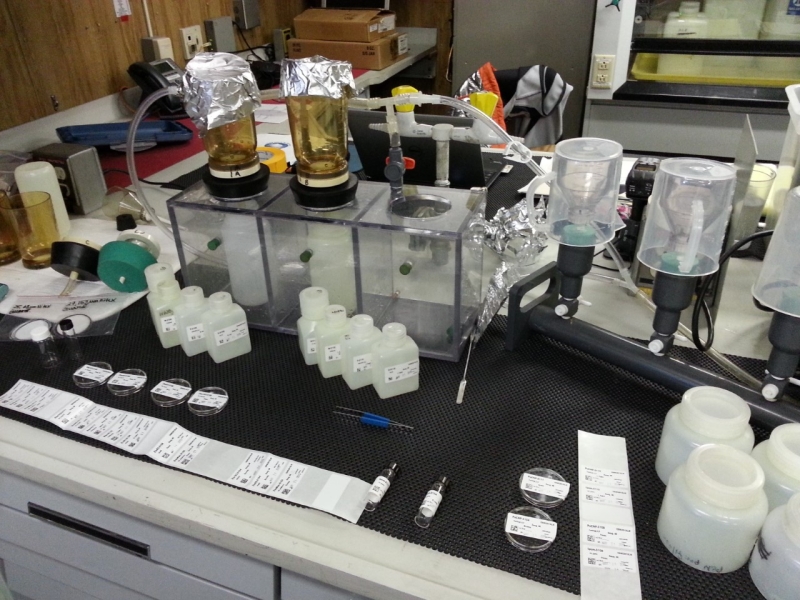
<point>344,25</point>
<point>373,56</point>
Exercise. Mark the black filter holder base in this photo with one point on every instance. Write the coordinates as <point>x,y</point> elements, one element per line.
<point>72,257</point>
<point>324,199</point>
<point>239,188</point>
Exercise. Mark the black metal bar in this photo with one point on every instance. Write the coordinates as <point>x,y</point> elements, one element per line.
<point>667,371</point>
<point>703,94</point>
<point>786,48</point>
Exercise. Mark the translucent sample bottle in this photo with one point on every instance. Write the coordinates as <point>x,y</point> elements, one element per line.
<point>329,340</point>
<point>331,264</point>
<point>706,415</point>
<point>71,340</point>
<point>779,456</point>
<point>225,326</point>
<point>429,506</point>
<point>169,298</point>
<point>153,275</point>
<point>357,352</point>
<point>713,509</point>
<point>313,302</point>
<point>690,23</point>
<point>775,561</point>
<point>48,353</point>
<point>190,320</point>
<point>395,362</point>
<point>232,148</point>
<point>380,486</point>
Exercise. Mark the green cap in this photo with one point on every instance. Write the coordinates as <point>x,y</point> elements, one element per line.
<point>122,264</point>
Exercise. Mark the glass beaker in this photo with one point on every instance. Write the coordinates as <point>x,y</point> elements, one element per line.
<point>584,186</point>
<point>318,125</point>
<point>753,203</point>
<point>35,225</point>
<point>8,238</point>
<point>232,148</point>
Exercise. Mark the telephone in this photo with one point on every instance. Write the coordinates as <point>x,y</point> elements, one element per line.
<point>156,75</point>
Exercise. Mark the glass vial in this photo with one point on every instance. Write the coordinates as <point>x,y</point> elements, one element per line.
<point>380,486</point>
<point>71,339</point>
<point>48,353</point>
<point>431,503</point>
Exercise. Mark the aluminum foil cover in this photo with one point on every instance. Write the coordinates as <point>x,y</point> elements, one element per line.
<point>219,89</point>
<point>316,76</point>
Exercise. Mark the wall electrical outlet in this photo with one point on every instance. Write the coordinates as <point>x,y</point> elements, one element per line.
<point>192,40</point>
<point>602,71</point>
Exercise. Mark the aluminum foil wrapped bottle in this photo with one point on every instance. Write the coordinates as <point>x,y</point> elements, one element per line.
<point>316,91</point>
<point>221,96</point>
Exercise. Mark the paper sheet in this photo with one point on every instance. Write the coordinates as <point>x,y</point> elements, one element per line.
<point>171,444</point>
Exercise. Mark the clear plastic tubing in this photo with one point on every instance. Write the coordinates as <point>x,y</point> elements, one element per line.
<point>705,415</point>
<point>779,456</point>
<point>775,561</point>
<point>713,509</point>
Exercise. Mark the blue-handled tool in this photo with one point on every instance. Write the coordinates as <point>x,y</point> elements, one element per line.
<point>368,418</point>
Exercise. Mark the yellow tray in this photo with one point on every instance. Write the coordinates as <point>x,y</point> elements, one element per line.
<point>645,68</point>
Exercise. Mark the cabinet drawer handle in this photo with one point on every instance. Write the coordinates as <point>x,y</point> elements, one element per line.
<point>92,531</point>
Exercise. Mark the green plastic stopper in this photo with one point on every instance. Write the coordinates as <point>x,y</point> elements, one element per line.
<point>122,264</point>
<point>306,255</point>
<point>406,267</point>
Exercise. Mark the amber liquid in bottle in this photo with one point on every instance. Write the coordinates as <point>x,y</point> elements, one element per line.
<point>232,148</point>
<point>319,133</point>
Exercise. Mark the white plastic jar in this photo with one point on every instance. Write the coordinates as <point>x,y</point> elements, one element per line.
<point>775,562</point>
<point>706,415</point>
<point>713,509</point>
<point>779,456</point>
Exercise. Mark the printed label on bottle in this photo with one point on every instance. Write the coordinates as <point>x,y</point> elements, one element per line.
<point>127,380</point>
<point>211,399</point>
<point>544,486</point>
<point>431,503</point>
<point>531,527</point>
<point>171,390</point>
<point>606,534</point>
<point>93,373</point>
<point>362,363</point>
<point>608,558</point>
<point>401,371</point>
<point>311,345</point>
<point>195,332</point>
<point>333,352</point>
<point>169,323</point>
<point>378,489</point>
<point>226,335</point>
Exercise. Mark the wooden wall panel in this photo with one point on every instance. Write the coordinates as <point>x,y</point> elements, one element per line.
<point>78,51</point>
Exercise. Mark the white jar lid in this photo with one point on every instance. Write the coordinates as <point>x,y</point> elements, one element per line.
<point>361,326</point>
<point>783,449</point>
<point>725,477</point>
<point>313,302</point>
<point>714,412</point>
<point>336,315</point>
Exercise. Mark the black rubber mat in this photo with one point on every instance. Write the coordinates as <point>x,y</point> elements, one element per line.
<point>521,410</point>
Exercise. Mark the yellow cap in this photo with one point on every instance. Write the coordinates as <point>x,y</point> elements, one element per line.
<point>404,89</point>
<point>484,101</point>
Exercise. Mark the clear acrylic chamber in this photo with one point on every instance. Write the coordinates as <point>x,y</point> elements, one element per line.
<point>417,264</point>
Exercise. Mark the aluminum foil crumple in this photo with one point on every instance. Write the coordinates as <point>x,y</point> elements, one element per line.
<point>219,89</point>
<point>316,76</point>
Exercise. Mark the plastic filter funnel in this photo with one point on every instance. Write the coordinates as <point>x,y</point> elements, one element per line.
<point>584,186</point>
<point>687,216</point>
<point>778,284</point>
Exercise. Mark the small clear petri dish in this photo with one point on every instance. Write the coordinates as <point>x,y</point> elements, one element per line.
<point>521,536</point>
<point>92,374</point>
<point>207,401</point>
<point>171,392</point>
<point>543,487</point>
<point>127,382</point>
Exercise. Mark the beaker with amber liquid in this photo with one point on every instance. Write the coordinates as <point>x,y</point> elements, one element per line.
<point>319,133</point>
<point>232,149</point>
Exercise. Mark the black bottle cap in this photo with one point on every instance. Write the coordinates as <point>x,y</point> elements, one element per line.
<point>394,467</point>
<point>444,480</point>
<point>66,325</point>
<point>125,222</point>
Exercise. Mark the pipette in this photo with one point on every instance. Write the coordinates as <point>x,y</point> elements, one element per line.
<point>463,385</point>
<point>368,418</point>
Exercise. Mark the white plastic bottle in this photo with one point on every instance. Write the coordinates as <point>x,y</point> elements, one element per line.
<point>313,302</point>
<point>40,176</point>
<point>779,456</point>
<point>357,351</point>
<point>713,509</point>
<point>225,326</point>
<point>245,261</point>
<point>689,23</point>
<point>706,415</point>
<point>153,275</point>
<point>775,562</point>
<point>395,362</point>
<point>329,340</point>
<point>166,323</point>
<point>190,320</point>
<point>331,263</point>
